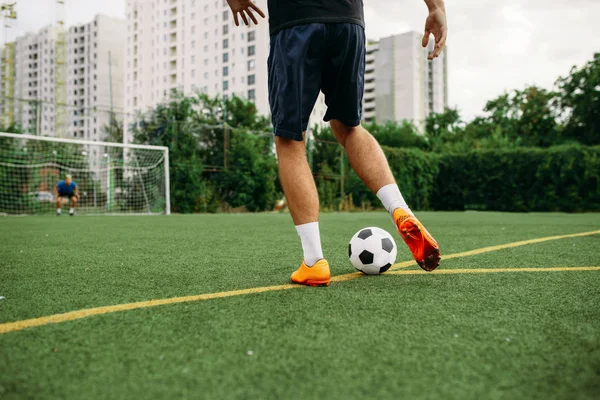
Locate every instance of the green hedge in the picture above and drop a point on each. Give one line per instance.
(563, 178)
(415, 170)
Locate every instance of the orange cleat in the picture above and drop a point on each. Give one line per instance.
(422, 245)
(317, 275)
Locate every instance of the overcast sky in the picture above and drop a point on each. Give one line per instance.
(494, 45)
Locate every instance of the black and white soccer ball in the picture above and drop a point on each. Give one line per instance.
(372, 251)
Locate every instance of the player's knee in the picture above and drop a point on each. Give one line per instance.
(342, 132)
(287, 145)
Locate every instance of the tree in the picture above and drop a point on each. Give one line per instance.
(394, 134)
(114, 130)
(527, 117)
(580, 101)
(212, 161)
(250, 178)
(171, 124)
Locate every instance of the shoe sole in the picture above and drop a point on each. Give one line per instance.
(431, 262)
(311, 282)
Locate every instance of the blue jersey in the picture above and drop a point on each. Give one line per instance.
(63, 188)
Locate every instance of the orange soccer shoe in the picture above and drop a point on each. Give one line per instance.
(422, 245)
(317, 275)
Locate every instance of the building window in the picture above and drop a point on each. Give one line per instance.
(193, 59)
(206, 75)
(251, 36)
(225, 57)
(206, 61)
(251, 65)
(251, 94)
(251, 79)
(225, 85)
(193, 44)
(251, 50)
(225, 71)
(225, 15)
(225, 29)
(193, 29)
(193, 73)
(225, 43)
(205, 35)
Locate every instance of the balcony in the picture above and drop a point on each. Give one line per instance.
(173, 37)
(173, 79)
(173, 65)
(173, 24)
(173, 12)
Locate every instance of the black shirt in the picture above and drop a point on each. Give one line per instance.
(286, 13)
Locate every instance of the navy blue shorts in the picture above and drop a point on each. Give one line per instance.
(63, 194)
(307, 58)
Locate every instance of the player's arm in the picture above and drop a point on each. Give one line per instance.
(243, 7)
(77, 191)
(436, 24)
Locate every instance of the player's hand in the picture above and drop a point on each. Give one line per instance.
(243, 8)
(436, 24)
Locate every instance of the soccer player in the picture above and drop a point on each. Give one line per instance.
(67, 188)
(320, 45)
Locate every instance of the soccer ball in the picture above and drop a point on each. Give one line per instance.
(372, 251)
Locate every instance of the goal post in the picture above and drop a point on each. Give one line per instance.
(112, 178)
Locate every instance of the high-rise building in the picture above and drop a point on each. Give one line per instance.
(93, 80)
(400, 83)
(95, 66)
(34, 81)
(193, 45)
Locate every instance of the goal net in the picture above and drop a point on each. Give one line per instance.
(111, 178)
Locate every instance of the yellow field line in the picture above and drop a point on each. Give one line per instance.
(490, 270)
(69, 316)
(516, 244)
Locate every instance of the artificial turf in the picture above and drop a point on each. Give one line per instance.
(505, 335)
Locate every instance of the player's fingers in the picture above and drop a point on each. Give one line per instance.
(425, 41)
(252, 17)
(236, 21)
(244, 17)
(257, 9)
(439, 45)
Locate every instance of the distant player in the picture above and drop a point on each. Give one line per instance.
(319, 45)
(68, 189)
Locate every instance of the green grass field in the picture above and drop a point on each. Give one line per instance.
(533, 335)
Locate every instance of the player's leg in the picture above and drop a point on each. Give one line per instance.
(294, 79)
(343, 90)
(58, 204)
(73, 205)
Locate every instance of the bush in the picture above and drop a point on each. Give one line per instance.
(562, 178)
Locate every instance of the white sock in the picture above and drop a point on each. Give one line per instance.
(392, 199)
(58, 210)
(72, 210)
(311, 242)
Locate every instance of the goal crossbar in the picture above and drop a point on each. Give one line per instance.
(89, 142)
